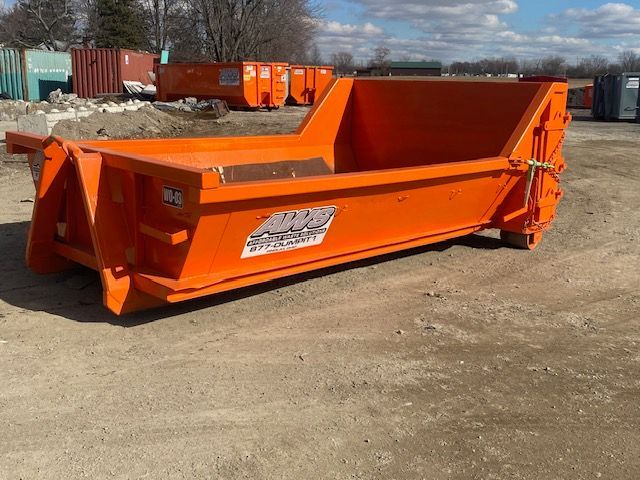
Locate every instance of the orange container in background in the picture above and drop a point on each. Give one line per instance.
(306, 83)
(240, 84)
(588, 96)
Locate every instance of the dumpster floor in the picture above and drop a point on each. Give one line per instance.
(461, 360)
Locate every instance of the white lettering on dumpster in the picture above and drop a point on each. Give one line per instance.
(36, 165)
(172, 197)
(285, 231)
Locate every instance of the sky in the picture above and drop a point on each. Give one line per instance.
(458, 30)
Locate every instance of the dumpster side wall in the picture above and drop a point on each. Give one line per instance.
(240, 84)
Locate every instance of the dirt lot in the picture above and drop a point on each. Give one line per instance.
(463, 360)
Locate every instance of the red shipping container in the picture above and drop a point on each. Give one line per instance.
(306, 83)
(240, 84)
(98, 71)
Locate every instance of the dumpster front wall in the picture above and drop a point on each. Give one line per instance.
(438, 122)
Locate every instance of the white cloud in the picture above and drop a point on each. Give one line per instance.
(611, 20)
(345, 29)
(470, 29)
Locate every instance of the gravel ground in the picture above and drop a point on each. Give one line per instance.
(462, 360)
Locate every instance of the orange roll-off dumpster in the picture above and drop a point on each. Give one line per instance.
(365, 174)
(306, 83)
(240, 84)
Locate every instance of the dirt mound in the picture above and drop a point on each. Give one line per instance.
(147, 122)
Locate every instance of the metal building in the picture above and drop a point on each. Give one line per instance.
(416, 69)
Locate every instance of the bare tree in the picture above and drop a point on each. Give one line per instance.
(164, 19)
(554, 65)
(315, 57)
(589, 67)
(39, 23)
(266, 29)
(629, 61)
(343, 61)
(380, 60)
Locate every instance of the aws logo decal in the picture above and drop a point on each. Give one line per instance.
(284, 231)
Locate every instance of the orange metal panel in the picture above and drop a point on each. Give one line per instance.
(306, 83)
(161, 223)
(588, 96)
(240, 84)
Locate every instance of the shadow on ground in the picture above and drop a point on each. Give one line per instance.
(77, 294)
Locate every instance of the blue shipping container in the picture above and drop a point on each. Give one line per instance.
(11, 73)
(45, 72)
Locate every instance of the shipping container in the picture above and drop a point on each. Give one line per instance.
(44, 72)
(240, 84)
(306, 83)
(164, 221)
(99, 71)
(615, 97)
(11, 77)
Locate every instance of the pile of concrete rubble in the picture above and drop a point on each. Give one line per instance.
(41, 117)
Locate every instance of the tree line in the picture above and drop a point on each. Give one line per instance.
(587, 67)
(627, 61)
(218, 30)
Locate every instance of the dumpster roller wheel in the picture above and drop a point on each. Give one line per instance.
(526, 241)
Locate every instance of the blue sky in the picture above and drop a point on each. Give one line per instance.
(451, 30)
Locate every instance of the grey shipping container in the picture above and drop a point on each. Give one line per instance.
(615, 97)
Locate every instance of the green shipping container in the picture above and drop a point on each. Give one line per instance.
(45, 72)
(11, 80)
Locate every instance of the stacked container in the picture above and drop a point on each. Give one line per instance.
(98, 71)
(240, 84)
(307, 83)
